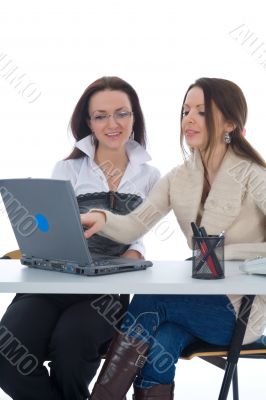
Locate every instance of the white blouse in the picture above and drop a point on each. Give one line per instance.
(86, 176)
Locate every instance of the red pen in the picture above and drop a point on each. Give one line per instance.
(209, 261)
(203, 248)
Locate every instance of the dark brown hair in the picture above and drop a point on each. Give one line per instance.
(78, 123)
(231, 102)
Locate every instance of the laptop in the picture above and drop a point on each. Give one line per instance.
(45, 218)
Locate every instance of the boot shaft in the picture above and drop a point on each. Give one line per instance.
(123, 361)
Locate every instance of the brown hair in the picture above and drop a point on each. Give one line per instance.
(78, 123)
(230, 100)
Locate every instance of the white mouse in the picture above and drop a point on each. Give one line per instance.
(255, 265)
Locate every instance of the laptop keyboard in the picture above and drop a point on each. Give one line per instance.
(105, 260)
(99, 263)
(101, 258)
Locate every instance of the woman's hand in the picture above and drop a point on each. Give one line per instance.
(94, 221)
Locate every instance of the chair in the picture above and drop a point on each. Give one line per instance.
(226, 358)
(15, 254)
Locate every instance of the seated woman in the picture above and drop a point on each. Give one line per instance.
(221, 186)
(107, 168)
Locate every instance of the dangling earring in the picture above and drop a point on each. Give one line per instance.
(132, 136)
(227, 138)
(93, 138)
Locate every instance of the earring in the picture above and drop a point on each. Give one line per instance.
(93, 138)
(132, 136)
(227, 138)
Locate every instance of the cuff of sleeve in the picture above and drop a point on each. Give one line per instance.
(108, 216)
(108, 229)
(238, 252)
(101, 210)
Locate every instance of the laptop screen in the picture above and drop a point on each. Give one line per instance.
(45, 218)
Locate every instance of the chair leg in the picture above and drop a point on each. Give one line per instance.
(235, 385)
(235, 345)
(228, 375)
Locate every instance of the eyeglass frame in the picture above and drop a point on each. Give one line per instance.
(106, 117)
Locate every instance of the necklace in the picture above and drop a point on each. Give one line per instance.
(111, 174)
(109, 169)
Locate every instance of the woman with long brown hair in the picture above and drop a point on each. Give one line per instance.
(221, 186)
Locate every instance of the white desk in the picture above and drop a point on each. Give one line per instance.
(172, 277)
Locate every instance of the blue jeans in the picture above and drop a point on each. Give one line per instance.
(171, 322)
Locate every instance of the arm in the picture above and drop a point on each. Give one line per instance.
(128, 228)
(133, 254)
(242, 251)
(136, 249)
(256, 188)
(65, 171)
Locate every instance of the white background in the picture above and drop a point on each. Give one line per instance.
(159, 47)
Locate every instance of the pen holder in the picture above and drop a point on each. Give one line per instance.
(208, 257)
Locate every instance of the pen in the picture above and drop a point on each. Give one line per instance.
(216, 262)
(214, 257)
(203, 248)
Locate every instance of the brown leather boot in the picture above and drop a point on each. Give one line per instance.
(124, 358)
(156, 392)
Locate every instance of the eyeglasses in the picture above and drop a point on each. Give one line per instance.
(119, 116)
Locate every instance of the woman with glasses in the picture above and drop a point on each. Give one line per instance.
(108, 169)
(221, 186)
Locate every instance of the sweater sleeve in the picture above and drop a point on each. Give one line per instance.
(242, 251)
(256, 187)
(128, 228)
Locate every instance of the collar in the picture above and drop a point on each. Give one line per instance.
(135, 152)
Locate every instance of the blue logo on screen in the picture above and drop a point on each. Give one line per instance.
(42, 222)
